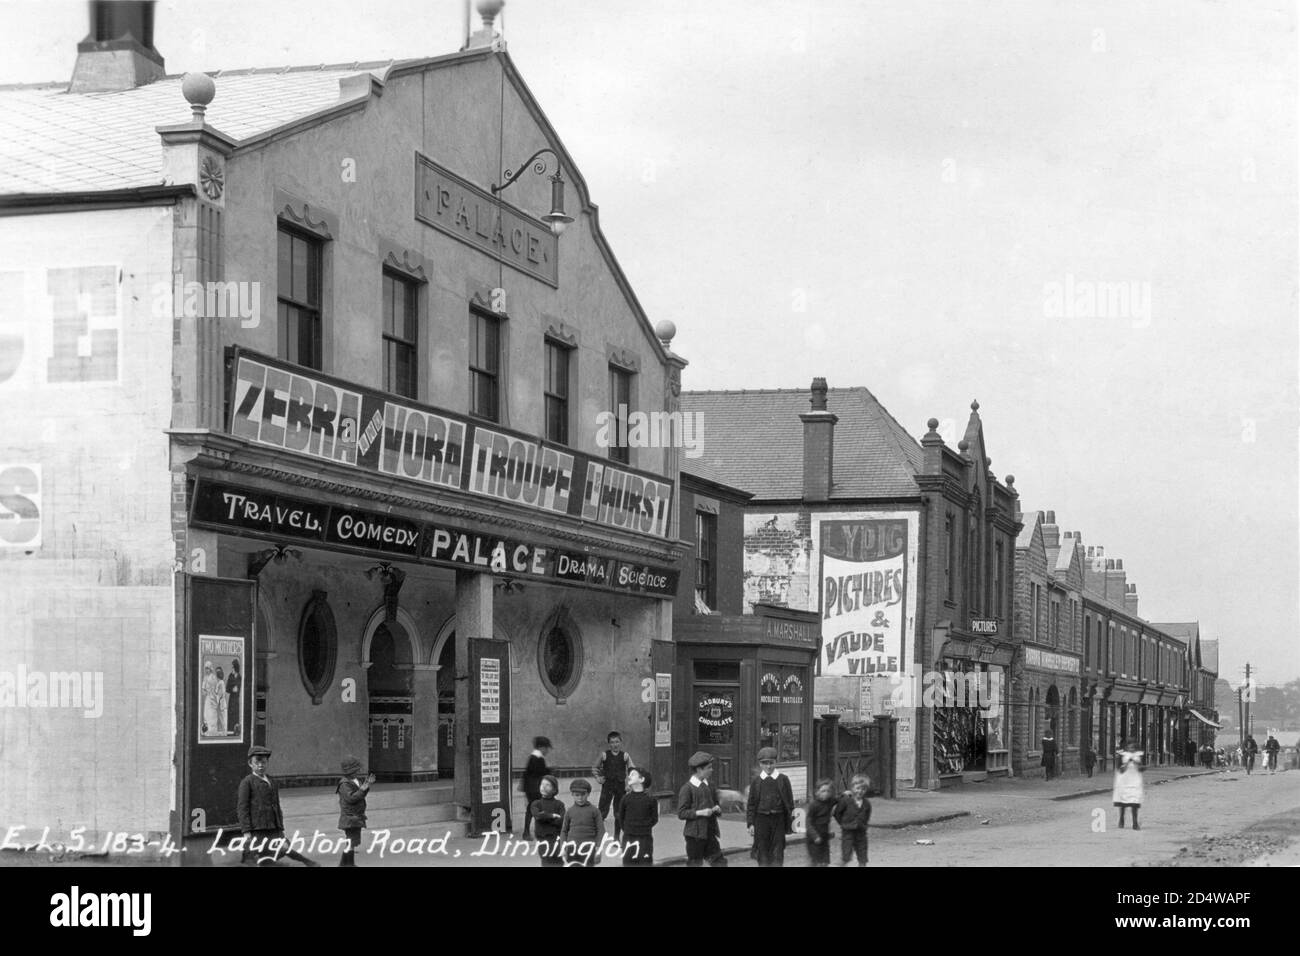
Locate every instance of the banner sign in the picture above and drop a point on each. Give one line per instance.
(276, 405)
(863, 585)
(221, 507)
(463, 211)
(1046, 659)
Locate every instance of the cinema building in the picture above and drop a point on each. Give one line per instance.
(905, 549)
(329, 478)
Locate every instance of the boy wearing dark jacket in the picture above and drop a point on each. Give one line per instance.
(817, 822)
(547, 815)
(352, 792)
(534, 771)
(636, 816)
(852, 813)
(583, 829)
(260, 819)
(769, 810)
(697, 804)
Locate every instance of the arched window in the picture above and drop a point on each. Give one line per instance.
(559, 654)
(317, 646)
(1072, 718)
(1033, 718)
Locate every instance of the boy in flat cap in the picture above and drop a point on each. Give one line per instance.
(261, 820)
(583, 829)
(769, 810)
(352, 790)
(697, 804)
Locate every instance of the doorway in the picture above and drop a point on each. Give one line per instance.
(715, 729)
(389, 681)
(447, 708)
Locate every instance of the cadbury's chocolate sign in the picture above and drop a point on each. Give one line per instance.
(279, 406)
(249, 511)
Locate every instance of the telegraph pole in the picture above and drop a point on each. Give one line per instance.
(1246, 728)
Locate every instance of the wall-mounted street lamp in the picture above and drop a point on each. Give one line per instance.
(557, 217)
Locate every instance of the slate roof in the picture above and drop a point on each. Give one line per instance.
(53, 141)
(1185, 632)
(754, 440)
(699, 468)
(1029, 521)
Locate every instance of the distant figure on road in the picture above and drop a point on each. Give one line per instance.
(1271, 747)
(1049, 753)
(1251, 752)
(1090, 759)
(1191, 752)
(1128, 790)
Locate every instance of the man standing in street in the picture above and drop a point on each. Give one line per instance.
(1049, 753)
(1271, 747)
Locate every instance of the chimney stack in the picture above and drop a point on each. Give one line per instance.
(118, 53)
(1116, 588)
(1131, 600)
(1051, 531)
(818, 445)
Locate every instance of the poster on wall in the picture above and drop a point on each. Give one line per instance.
(717, 716)
(488, 740)
(489, 690)
(221, 689)
(490, 769)
(864, 589)
(663, 710)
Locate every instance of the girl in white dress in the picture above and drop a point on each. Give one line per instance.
(1128, 789)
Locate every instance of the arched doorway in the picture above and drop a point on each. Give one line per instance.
(391, 649)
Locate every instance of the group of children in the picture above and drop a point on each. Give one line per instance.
(576, 836)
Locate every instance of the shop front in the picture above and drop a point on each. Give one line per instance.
(968, 697)
(747, 683)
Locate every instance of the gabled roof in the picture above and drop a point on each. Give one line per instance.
(53, 141)
(1210, 656)
(1031, 521)
(701, 469)
(754, 440)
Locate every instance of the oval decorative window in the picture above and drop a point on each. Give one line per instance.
(559, 654)
(317, 646)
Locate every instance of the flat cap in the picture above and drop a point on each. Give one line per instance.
(767, 753)
(699, 759)
(257, 751)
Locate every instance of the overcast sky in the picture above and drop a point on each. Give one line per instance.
(920, 198)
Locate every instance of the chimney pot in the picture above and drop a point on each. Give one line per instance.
(818, 398)
(1051, 517)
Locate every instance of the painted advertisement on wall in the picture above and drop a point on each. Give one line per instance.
(865, 586)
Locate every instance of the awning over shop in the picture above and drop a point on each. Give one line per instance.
(1203, 719)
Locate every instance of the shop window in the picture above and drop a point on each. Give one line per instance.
(717, 670)
(556, 392)
(401, 337)
(780, 709)
(298, 297)
(559, 655)
(317, 647)
(620, 395)
(484, 366)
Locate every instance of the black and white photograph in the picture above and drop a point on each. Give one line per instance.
(781, 433)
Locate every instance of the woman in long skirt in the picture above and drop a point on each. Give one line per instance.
(1128, 781)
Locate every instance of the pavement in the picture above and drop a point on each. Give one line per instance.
(437, 845)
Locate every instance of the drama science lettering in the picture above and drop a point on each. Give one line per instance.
(853, 592)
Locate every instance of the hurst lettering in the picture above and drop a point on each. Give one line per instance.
(623, 499)
(276, 407)
(514, 469)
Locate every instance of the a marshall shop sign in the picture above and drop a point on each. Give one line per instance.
(233, 509)
(462, 210)
(277, 405)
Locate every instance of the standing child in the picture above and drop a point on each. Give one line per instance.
(853, 813)
(547, 815)
(583, 829)
(261, 820)
(636, 816)
(817, 820)
(697, 804)
(352, 792)
(1128, 790)
(611, 770)
(534, 771)
(769, 810)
